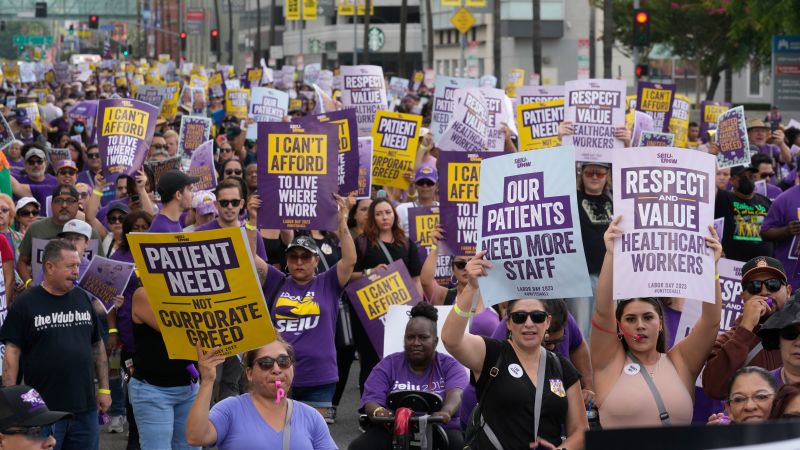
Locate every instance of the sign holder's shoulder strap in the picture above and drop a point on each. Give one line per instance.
(752, 354)
(662, 410)
(385, 251)
(537, 407)
(287, 425)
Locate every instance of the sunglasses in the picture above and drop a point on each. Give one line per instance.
(34, 161)
(425, 183)
(116, 219)
(160, 147)
(28, 213)
(32, 433)
(460, 265)
(234, 203)
(300, 256)
(70, 173)
(267, 362)
(790, 333)
(764, 176)
(233, 171)
(83, 194)
(594, 173)
(69, 201)
(520, 317)
(754, 287)
(225, 149)
(93, 155)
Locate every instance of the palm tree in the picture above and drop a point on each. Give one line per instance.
(537, 38)
(401, 60)
(608, 36)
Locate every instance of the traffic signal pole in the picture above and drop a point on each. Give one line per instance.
(635, 56)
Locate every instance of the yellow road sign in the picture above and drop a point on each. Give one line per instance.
(462, 20)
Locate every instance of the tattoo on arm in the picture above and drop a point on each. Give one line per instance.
(100, 364)
(262, 275)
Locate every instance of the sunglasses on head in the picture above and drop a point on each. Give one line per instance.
(28, 213)
(93, 155)
(790, 333)
(520, 317)
(234, 202)
(772, 284)
(32, 433)
(267, 362)
(117, 218)
(233, 171)
(460, 264)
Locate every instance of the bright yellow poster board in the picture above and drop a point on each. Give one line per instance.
(237, 102)
(395, 138)
(538, 124)
(203, 288)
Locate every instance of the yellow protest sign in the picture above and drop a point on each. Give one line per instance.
(538, 124)
(679, 122)
(200, 81)
(203, 288)
(516, 78)
(292, 9)
(395, 139)
(630, 111)
(254, 76)
(236, 102)
(423, 225)
(169, 108)
(309, 9)
(32, 111)
(11, 72)
(451, 3)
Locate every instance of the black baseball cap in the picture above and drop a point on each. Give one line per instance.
(736, 171)
(65, 189)
(761, 264)
(22, 406)
(304, 242)
(173, 181)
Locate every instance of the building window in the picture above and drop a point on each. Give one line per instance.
(754, 79)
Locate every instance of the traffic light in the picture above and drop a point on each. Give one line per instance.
(71, 29)
(126, 50)
(22, 48)
(41, 10)
(641, 27)
(215, 40)
(642, 70)
(183, 40)
(94, 22)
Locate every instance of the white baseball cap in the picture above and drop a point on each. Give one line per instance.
(25, 201)
(77, 226)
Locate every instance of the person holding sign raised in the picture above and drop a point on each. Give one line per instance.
(638, 382)
(304, 307)
(175, 189)
(510, 376)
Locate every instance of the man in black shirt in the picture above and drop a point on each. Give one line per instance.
(744, 212)
(53, 340)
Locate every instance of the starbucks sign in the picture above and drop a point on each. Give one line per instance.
(375, 39)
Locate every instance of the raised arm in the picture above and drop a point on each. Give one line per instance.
(93, 205)
(141, 189)
(200, 431)
(468, 349)
(19, 189)
(430, 288)
(344, 268)
(604, 325)
(691, 353)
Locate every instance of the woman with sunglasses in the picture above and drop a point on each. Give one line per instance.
(628, 350)
(751, 392)
(93, 165)
(505, 372)
(28, 209)
(782, 332)
(115, 212)
(262, 417)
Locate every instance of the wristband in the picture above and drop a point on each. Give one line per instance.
(104, 391)
(113, 330)
(28, 282)
(97, 192)
(459, 312)
(433, 247)
(249, 227)
(367, 272)
(717, 276)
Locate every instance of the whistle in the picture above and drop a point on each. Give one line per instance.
(279, 392)
(637, 337)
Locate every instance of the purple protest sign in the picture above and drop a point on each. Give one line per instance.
(595, 108)
(719, 227)
(641, 122)
(297, 175)
(468, 127)
(152, 94)
(528, 224)
(422, 221)
(348, 160)
(655, 99)
(194, 131)
(372, 295)
(86, 110)
(363, 89)
(163, 166)
(125, 130)
(732, 139)
(459, 178)
(655, 139)
(665, 196)
(709, 116)
(202, 165)
(105, 279)
(444, 101)
(730, 281)
(6, 135)
(364, 168)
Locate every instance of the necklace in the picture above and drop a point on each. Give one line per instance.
(655, 368)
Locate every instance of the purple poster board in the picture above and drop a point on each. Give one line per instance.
(665, 196)
(655, 99)
(348, 158)
(732, 139)
(87, 110)
(595, 108)
(194, 131)
(125, 130)
(105, 279)
(297, 175)
(364, 89)
(364, 167)
(202, 165)
(372, 295)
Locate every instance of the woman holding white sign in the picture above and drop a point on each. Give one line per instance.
(638, 382)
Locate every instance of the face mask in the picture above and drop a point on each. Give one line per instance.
(79, 128)
(746, 186)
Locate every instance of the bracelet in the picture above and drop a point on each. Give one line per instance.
(28, 282)
(379, 408)
(113, 330)
(249, 227)
(460, 313)
(97, 192)
(104, 391)
(717, 276)
(433, 247)
(367, 272)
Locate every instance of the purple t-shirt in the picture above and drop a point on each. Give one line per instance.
(672, 318)
(776, 374)
(124, 317)
(394, 374)
(40, 192)
(240, 426)
(163, 224)
(214, 225)
(306, 317)
(484, 323)
(573, 338)
(48, 180)
(773, 191)
(784, 210)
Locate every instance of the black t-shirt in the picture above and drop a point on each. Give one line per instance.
(741, 237)
(509, 405)
(56, 336)
(370, 255)
(595, 213)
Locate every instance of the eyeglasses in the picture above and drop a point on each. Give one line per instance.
(754, 287)
(460, 265)
(595, 173)
(5, 210)
(34, 161)
(32, 433)
(234, 203)
(28, 213)
(520, 317)
(740, 400)
(425, 182)
(83, 194)
(233, 171)
(267, 362)
(93, 155)
(69, 201)
(764, 176)
(790, 333)
(300, 256)
(225, 149)
(116, 219)
(68, 172)
(159, 147)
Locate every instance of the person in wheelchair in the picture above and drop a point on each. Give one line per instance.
(418, 368)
